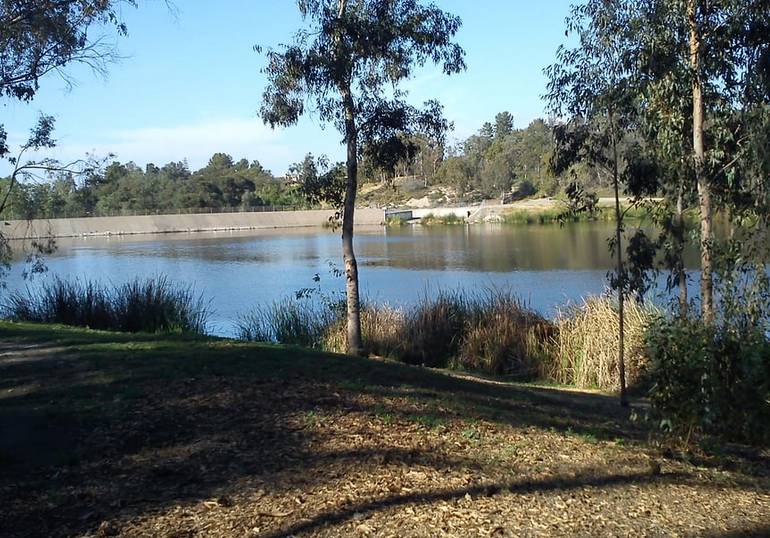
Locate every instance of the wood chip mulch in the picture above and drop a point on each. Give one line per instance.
(220, 457)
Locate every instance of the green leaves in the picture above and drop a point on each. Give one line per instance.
(319, 181)
(366, 46)
(43, 37)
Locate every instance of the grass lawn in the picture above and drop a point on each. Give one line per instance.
(106, 434)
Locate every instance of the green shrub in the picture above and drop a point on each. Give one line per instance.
(710, 380)
(451, 219)
(533, 216)
(395, 222)
(151, 305)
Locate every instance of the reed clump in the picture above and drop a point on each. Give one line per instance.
(382, 329)
(505, 337)
(435, 328)
(536, 216)
(298, 322)
(490, 332)
(584, 349)
(141, 305)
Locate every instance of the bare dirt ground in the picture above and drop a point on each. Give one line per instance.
(115, 435)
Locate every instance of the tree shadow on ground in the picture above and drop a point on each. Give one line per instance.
(762, 531)
(556, 484)
(117, 426)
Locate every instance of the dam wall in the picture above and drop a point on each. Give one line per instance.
(154, 224)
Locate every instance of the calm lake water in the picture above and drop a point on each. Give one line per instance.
(547, 266)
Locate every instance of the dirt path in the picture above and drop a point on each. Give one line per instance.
(121, 437)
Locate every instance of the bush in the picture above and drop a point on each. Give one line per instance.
(504, 337)
(710, 380)
(534, 216)
(450, 219)
(584, 350)
(435, 328)
(151, 305)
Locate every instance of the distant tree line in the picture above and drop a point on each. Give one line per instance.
(126, 188)
(497, 159)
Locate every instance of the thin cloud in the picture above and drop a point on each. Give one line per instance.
(247, 138)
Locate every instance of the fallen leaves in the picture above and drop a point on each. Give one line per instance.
(222, 457)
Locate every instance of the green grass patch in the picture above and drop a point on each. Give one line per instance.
(446, 220)
(560, 215)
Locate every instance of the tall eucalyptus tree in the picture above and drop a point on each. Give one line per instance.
(705, 68)
(591, 90)
(37, 38)
(345, 65)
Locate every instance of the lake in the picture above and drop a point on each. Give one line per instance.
(546, 265)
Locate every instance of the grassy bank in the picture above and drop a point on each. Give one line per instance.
(432, 220)
(556, 215)
(489, 332)
(116, 434)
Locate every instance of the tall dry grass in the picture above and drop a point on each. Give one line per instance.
(584, 350)
(491, 332)
(382, 329)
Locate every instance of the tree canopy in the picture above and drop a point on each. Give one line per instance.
(39, 37)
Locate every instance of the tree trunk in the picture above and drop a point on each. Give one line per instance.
(355, 346)
(619, 268)
(704, 189)
(680, 242)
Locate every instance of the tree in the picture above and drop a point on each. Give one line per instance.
(39, 37)
(503, 125)
(320, 181)
(591, 85)
(40, 137)
(346, 64)
(712, 57)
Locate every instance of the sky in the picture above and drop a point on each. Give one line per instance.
(189, 82)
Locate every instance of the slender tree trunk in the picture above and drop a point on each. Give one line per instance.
(354, 341)
(355, 346)
(620, 270)
(704, 189)
(681, 274)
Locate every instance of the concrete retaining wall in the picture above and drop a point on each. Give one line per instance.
(461, 212)
(151, 224)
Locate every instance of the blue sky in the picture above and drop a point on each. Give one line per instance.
(190, 83)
